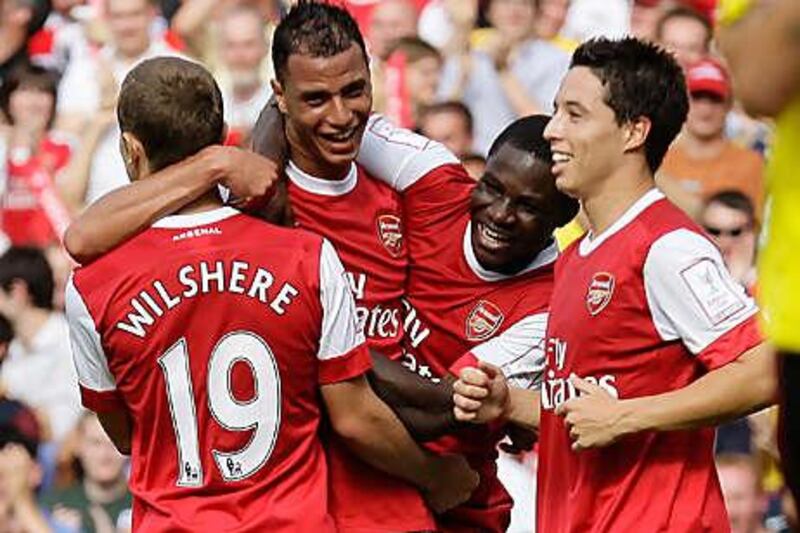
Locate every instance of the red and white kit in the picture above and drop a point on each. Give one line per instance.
(362, 217)
(644, 308)
(457, 311)
(214, 331)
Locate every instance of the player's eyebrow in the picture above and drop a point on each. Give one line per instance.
(356, 85)
(577, 106)
(317, 94)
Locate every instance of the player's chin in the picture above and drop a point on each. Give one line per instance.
(494, 257)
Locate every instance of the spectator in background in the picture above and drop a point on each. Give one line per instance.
(19, 19)
(450, 123)
(745, 501)
(550, 18)
(729, 218)
(390, 21)
(760, 41)
(87, 96)
(686, 33)
(411, 78)
(62, 39)
(32, 211)
(513, 74)
(242, 47)
(644, 16)
(38, 369)
(20, 475)
(100, 497)
(129, 23)
(702, 160)
(448, 24)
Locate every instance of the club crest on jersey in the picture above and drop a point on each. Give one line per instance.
(601, 289)
(390, 232)
(483, 321)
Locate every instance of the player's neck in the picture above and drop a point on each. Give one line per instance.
(614, 196)
(207, 202)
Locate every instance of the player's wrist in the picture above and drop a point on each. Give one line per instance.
(632, 417)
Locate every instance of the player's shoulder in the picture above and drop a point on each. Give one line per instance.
(661, 218)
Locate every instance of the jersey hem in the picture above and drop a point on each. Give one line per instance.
(346, 366)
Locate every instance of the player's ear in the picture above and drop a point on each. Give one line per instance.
(280, 97)
(636, 132)
(134, 156)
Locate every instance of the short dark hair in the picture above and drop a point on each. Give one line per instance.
(316, 29)
(641, 80)
(415, 49)
(736, 200)
(687, 13)
(527, 134)
(28, 76)
(452, 106)
(173, 106)
(29, 265)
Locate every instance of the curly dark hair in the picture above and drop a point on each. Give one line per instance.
(641, 80)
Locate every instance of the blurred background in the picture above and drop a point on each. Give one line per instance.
(458, 71)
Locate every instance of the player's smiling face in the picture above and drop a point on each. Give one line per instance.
(512, 210)
(327, 101)
(585, 138)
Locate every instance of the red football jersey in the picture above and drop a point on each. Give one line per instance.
(458, 311)
(644, 308)
(32, 212)
(214, 331)
(362, 217)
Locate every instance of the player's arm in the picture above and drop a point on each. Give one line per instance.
(365, 423)
(399, 157)
(763, 53)
(96, 383)
(118, 426)
(425, 408)
(123, 213)
(482, 395)
(371, 430)
(741, 387)
(692, 299)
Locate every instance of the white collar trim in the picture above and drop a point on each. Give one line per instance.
(195, 219)
(589, 243)
(309, 183)
(545, 257)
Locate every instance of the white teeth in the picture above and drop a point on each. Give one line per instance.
(560, 157)
(492, 238)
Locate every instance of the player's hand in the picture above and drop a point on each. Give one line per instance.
(452, 483)
(480, 394)
(249, 176)
(593, 418)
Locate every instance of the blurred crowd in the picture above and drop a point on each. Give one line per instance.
(458, 71)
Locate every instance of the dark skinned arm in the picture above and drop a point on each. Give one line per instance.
(424, 407)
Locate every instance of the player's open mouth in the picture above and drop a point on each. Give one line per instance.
(492, 237)
(340, 137)
(560, 160)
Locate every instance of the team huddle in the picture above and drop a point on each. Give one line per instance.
(356, 372)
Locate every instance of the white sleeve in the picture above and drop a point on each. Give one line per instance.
(691, 295)
(87, 350)
(397, 156)
(340, 330)
(519, 351)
